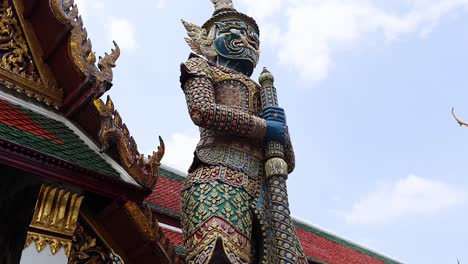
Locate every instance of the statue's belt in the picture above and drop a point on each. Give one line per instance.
(252, 147)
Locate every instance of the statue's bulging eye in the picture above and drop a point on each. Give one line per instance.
(237, 31)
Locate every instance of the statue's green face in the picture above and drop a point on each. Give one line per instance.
(237, 45)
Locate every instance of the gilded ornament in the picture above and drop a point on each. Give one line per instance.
(84, 58)
(86, 248)
(14, 50)
(461, 123)
(42, 240)
(56, 210)
(55, 219)
(107, 62)
(114, 133)
(149, 229)
(21, 67)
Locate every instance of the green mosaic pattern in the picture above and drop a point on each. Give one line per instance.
(73, 150)
(202, 201)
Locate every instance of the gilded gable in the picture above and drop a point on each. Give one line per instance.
(18, 66)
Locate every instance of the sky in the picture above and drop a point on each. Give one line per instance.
(367, 86)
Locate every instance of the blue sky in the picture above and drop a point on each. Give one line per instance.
(367, 86)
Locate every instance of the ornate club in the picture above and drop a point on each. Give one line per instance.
(288, 249)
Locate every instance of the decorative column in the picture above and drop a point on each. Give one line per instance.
(286, 243)
(55, 219)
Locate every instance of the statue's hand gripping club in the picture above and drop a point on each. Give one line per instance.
(276, 128)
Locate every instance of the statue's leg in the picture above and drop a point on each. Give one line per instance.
(216, 217)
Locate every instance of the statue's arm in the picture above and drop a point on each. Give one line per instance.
(205, 113)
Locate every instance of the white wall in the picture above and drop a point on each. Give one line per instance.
(31, 256)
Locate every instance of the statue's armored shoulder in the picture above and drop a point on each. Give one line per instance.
(195, 66)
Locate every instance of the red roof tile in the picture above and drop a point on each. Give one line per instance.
(331, 252)
(166, 194)
(14, 117)
(176, 238)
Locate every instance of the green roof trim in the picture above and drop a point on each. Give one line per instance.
(163, 210)
(343, 242)
(171, 174)
(71, 149)
(309, 258)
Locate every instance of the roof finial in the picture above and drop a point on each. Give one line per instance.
(222, 4)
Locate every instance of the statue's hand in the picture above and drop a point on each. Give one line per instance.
(274, 113)
(276, 130)
(276, 124)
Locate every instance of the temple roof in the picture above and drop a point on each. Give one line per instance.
(33, 130)
(49, 135)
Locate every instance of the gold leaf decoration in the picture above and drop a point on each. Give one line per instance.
(114, 133)
(18, 69)
(81, 47)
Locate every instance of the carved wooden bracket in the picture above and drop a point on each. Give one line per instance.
(149, 229)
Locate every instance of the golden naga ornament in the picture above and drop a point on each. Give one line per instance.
(115, 133)
(461, 123)
(83, 56)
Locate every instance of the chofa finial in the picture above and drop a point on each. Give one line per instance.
(222, 4)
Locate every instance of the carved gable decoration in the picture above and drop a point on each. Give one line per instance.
(114, 133)
(83, 56)
(21, 68)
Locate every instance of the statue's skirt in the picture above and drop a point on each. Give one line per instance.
(217, 214)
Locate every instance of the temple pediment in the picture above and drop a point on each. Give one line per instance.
(21, 65)
(46, 54)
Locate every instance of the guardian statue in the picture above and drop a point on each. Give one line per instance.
(225, 200)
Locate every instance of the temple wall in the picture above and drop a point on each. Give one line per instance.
(31, 256)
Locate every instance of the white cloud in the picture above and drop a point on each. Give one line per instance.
(261, 9)
(307, 33)
(161, 4)
(87, 6)
(179, 150)
(122, 31)
(410, 196)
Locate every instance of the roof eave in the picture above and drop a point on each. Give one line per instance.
(61, 171)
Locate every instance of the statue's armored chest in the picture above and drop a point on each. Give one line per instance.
(236, 90)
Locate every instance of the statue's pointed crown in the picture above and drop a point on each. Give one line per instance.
(224, 10)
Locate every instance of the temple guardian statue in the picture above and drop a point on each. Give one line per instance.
(234, 205)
